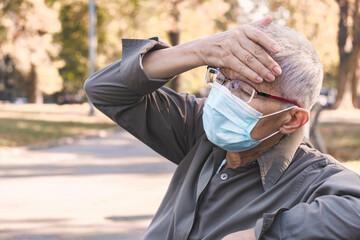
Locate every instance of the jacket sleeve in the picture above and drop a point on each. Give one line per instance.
(168, 122)
(332, 212)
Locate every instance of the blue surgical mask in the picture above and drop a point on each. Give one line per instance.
(228, 121)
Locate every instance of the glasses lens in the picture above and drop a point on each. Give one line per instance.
(242, 90)
(211, 75)
(238, 88)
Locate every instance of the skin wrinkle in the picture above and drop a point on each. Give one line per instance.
(202, 52)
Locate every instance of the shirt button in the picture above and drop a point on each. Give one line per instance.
(224, 176)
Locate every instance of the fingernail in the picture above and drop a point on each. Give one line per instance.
(270, 77)
(276, 47)
(260, 79)
(277, 70)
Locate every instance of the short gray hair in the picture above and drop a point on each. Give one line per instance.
(302, 71)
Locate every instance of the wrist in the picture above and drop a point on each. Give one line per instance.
(192, 53)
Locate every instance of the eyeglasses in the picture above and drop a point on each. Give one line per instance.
(240, 88)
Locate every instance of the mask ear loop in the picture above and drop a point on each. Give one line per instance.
(274, 113)
(274, 133)
(271, 114)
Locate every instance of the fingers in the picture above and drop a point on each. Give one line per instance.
(236, 69)
(231, 55)
(252, 64)
(253, 61)
(243, 51)
(261, 38)
(266, 66)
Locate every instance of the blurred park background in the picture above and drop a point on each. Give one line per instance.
(46, 55)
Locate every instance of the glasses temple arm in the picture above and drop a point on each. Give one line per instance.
(277, 98)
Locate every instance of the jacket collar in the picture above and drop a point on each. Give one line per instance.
(273, 162)
(276, 160)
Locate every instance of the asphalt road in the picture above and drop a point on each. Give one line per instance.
(94, 189)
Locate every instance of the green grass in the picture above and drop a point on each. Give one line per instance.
(16, 132)
(343, 142)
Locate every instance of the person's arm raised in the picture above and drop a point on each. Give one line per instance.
(240, 51)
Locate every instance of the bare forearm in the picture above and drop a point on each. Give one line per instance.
(168, 62)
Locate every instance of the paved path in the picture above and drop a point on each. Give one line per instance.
(95, 189)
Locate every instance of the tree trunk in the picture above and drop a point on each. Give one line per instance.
(174, 40)
(344, 99)
(348, 58)
(355, 84)
(174, 36)
(356, 43)
(32, 87)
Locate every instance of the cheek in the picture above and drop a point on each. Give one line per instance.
(257, 104)
(266, 105)
(265, 127)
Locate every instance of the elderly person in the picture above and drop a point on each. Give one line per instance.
(244, 170)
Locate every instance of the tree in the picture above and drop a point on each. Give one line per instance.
(134, 19)
(349, 48)
(26, 32)
(174, 33)
(74, 42)
(221, 22)
(174, 21)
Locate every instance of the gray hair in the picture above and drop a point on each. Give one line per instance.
(302, 71)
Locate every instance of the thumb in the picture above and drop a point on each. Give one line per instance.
(263, 22)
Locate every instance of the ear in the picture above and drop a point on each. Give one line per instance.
(296, 119)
